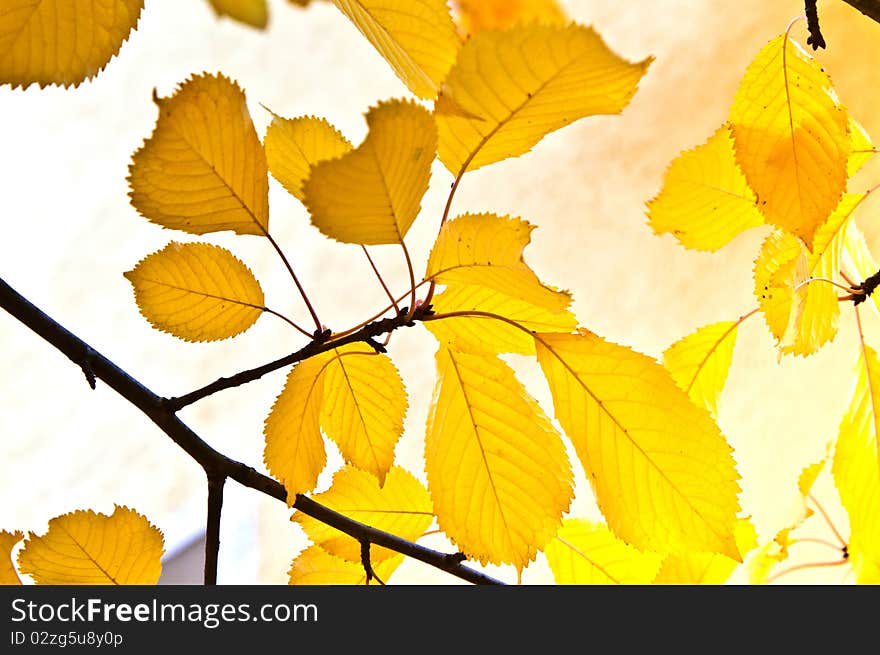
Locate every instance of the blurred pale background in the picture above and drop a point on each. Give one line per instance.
(69, 234)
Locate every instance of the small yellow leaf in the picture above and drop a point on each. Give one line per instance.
(483, 334)
(860, 261)
(476, 15)
(856, 469)
(705, 200)
(294, 145)
(699, 362)
(363, 407)
(373, 194)
(510, 89)
(861, 147)
(662, 472)
(294, 452)
(791, 137)
(497, 470)
(416, 37)
(61, 41)
(487, 250)
(196, 291)
(583, 552)
(315, 566)
(85, 547)
(693, 567)
(204, 168)
(251, 12)
(400, 507)
(8, 540)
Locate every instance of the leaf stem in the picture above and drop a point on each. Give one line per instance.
(299, 286)
(287, 320)
(808, 565)
(828, 520)
(381, 280)
(412, 279)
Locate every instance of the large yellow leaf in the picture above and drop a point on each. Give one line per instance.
(400, 507)
(251, 12)
(663, 474)
(85, 547)
(204, 168)
(61, 41)
(294, 145)
(8, 540)
(497, 470)
(705, 200)
(856, 469)
(584, 552)
(791, 137)
(416, 37)
(509, 89)
(692, 567)
(476, 15)
(294, 451)
(484, 334)
(861, 147)
(487, 250)
(363, 407)
(373, 194)
(699, 362)
(315, 566)
(196, 291)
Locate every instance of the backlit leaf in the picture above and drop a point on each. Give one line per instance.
(483, 334)
(860, 261)
(8, 540)
(693, 567)
(856, 469)
(699, 362)
(509, 89)
(85, 547)
(196, 291)
(584, 552)
(400, 507)
(476, 15)
(791, 137)
(61, 41)
(294, 145)
(861, 147)
(363, 407)
(294, 452)
(662, 472)
(416, 37)
(705, 200)
(204, 168)
(373, 194)
(487, 250)
(315, 566)
(251, 12)
(497, 470)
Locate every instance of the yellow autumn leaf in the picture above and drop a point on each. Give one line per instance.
(497, 470)
(860, 262)
(61, 41)
(8, 540)
(203, 169)
(196, 291)
(584, 552)
(487, 250)
(705, 200)
(476, 15)
(294, 145)
(509, 89)
(363, 406)
(251, 12)
(373, 194)
(856, 469)
(699, 363)
(484, 334)
(662, 472)
(416, 37)
(791, 137)
(85, 547)
(401, 507)
(861, 147)
(315, 566)
(294, 453)
(693, 567)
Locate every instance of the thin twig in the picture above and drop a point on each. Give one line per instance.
(381, 280)
(212, 531)
(318, 327)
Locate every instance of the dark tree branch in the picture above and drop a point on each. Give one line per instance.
(213, 462)
(212, 532)
(871, 8)
(815, 39)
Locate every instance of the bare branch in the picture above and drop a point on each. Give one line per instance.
(212, 531)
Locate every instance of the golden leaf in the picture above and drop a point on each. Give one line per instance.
(196, 291)
(8, 540)
(859, 259)
(373, 194)
(204, 168)
(85, 547)
(250, 12)
(61, 41)
(663, 474)
(315, 566)
(861, 147)
(693, 567)
(476, 15)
